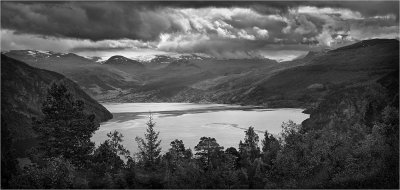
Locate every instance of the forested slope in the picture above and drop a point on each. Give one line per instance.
(24, 89)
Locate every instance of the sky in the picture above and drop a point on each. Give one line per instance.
(221, 29)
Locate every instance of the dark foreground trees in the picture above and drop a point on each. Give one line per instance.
(65, 130)
(107, 169)
(337, 155)
(8, 158)
(64, 149)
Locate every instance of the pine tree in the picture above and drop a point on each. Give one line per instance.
(149, 148)
(65, 130)
(270, 148)
(208, 148)
(249, 153)
(249, 148)
(265, 142)
(115, 140)
(235, 155)
(178, 150)
(176, 155)
(107, 156)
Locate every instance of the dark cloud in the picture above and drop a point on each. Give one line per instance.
(85, 20)
(223, 29)
(141, 20)
(80, 49)
(366, 8)
(229, 48)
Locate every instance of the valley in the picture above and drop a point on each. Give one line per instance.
(200, 94)
(310, 83)
(192, 78)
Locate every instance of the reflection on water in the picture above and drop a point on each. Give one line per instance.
(189, 122)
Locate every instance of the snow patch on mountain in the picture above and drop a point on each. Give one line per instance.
(44, 52)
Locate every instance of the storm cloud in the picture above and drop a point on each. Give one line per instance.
(221, 29)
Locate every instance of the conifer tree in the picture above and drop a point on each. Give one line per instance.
(208, 148)
(107, 155)
(270, 148)
(249, 148)
(149, 147)
(179, 151)
(65, 130)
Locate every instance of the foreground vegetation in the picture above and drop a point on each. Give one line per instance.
(353, 149)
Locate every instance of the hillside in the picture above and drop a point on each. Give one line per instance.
(170, 82)
(298, 83)
(356, 133)
(24, 89)
(318, 75)
(96, 79)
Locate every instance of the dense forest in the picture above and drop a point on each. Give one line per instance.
(349, 141)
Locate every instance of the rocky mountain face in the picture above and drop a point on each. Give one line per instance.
(23, 90)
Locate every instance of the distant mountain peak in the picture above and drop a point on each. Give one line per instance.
(119, 59)
(194, 56)
(33, 53)
(38, 53)
(169, 58)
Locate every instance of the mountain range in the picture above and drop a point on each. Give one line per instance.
(192, 78)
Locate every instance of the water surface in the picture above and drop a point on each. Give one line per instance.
(189, 122)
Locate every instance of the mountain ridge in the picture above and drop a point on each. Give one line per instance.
(119, 59)
(297, 83)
